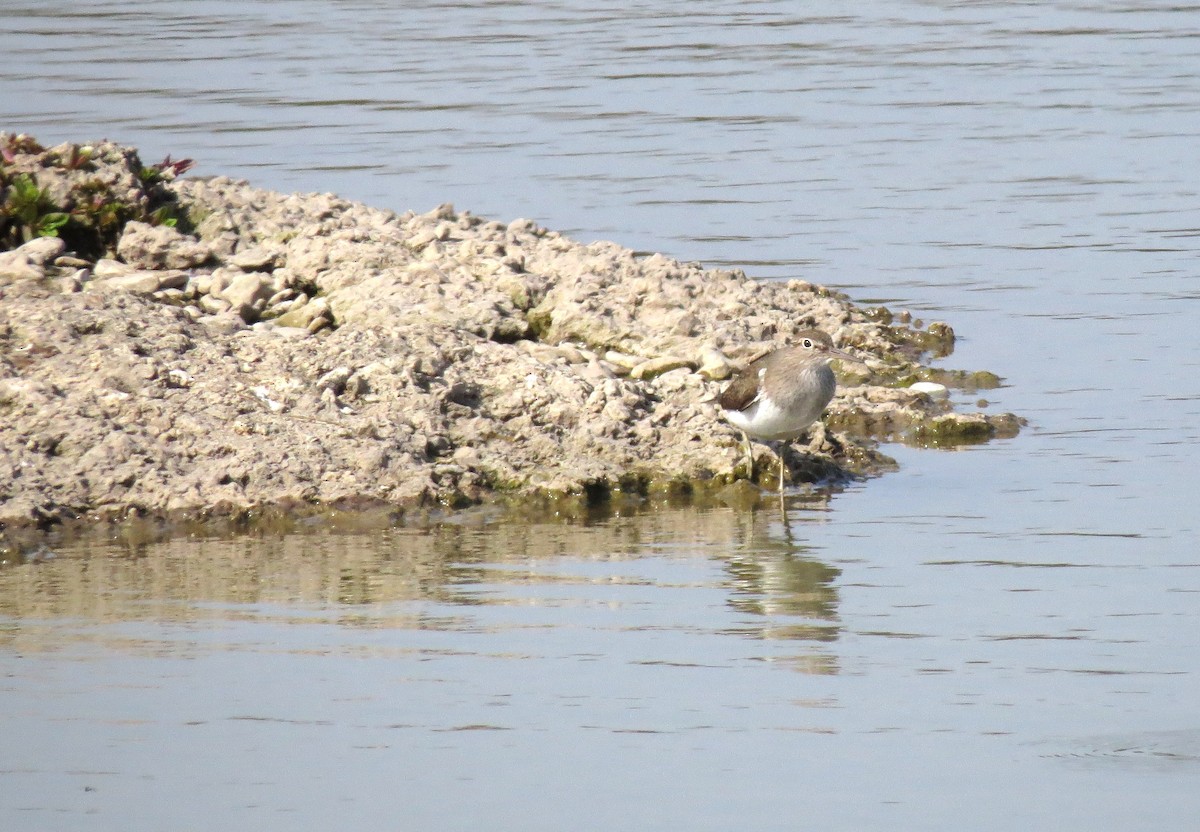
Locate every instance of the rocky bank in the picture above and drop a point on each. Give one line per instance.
(190, 347)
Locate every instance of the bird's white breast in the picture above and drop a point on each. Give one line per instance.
(765, 418)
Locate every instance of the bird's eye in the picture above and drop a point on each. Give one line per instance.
(807, 342)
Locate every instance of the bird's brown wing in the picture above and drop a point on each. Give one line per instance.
(742, 390)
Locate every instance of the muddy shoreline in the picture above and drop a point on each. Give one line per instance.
(221, 351)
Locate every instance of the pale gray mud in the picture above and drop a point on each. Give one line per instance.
(190, 348)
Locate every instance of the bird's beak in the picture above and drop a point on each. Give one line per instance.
(834, 352)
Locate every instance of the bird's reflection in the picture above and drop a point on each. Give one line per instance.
(776, 581)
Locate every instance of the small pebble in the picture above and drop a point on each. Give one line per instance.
(658, 366)
(714, 366)
(931, 389)
(623, 360)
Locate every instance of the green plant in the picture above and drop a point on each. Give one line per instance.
(93, 205)
(163, 215)
(29, 211)
(81, 203)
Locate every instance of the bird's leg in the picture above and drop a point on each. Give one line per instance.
(782, 502)
(749, 456)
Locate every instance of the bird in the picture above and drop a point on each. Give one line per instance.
(779, 394)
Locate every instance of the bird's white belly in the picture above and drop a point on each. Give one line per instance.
(765, 420)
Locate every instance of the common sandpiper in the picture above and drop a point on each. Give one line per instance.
(782, 392)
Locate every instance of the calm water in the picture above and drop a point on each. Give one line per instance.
(999, 638)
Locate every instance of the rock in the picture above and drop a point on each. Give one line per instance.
(334, 380)
(199, 284)
(15, 267)
(213, 305)
(179, 378)
(622, 361)
(256, 259)
(74, 281)
(160, 247)
(68, 262)
(224, 322)
(41, 249)
(573, 355)
(222, 244)
(28, 262)
(110, 268)
(247, 294)
(305, 316)
(421, 239)
(931, 389)
(145, 282)
(657, 366)
(598, 371)
(281, 332)
(170, 295)
(218, 280)
(714, 366)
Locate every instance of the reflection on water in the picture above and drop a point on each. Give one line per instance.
(446, 577)
(723, 645)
